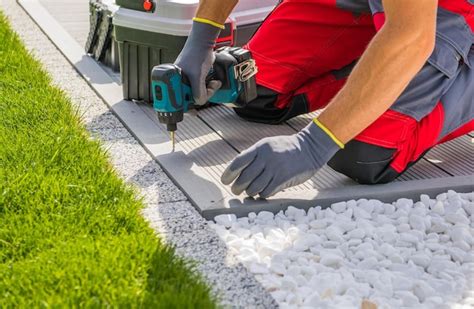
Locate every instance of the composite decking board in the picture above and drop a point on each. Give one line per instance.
(302, 121)
(423, 170)
(240, 133)
(456, 156)
(196, 169)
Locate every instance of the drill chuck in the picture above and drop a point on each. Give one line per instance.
(170, 119)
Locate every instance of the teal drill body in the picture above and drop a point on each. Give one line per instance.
(172, 95)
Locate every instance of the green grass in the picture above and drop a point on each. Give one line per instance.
(70, 230)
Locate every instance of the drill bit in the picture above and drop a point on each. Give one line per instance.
(172, 141)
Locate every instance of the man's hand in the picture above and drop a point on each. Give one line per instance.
(277, 163)
(196, 60)
(197, 56)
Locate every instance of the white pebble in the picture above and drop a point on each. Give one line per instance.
(368, 263)
(469, 208)
(356, 234)
(444, 238)
(330, 259)
(301, 280)
(396, 258)
(242, 233)
(334, 233)
(462, 245)
(438, 208)
(330, 214)
(401, 216)
(360, 213)
(387, 249)
(417, 223)
(389, 209)
(425, 199)
(339, 207)
(258, 268)
(461, 233)
(456, 254)
(404, 227)
(408, 298)
(313, 300)
(346, 225)
(318, 224)
(367, 206)
(225, 220)
(265, 216)
(404, 204)
(455, 218)
(354, 242)
(278, 268)
(294, 213)
(407, 237)
(438, 265)
(348, 213)
(402, 283)
(433, 301)
(388, 236)
(442, 197)
(331, 244)
(439, 226)
(279, 295)
(288, 283)
(304, 292)
(421, 259)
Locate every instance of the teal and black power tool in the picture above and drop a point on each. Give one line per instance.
(172, 96)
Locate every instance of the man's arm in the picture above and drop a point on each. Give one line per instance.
(393, 58)
(215, 11)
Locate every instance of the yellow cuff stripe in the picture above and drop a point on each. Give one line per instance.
(329, 133)
(209, 22)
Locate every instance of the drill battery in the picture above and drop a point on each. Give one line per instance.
(239, 61)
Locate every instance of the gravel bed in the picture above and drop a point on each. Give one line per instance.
(404, 254)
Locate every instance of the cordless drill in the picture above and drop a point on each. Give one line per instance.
(172, 95)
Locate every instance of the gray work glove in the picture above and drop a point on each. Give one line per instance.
(280, 162)
(196, 60)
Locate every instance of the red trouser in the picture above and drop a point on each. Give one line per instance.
(307, 48)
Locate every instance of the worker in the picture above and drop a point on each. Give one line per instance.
(395, 78)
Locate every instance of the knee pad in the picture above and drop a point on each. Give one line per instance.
(364, 163)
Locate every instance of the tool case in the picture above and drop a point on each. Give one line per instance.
(100, 42)
(152, 32)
